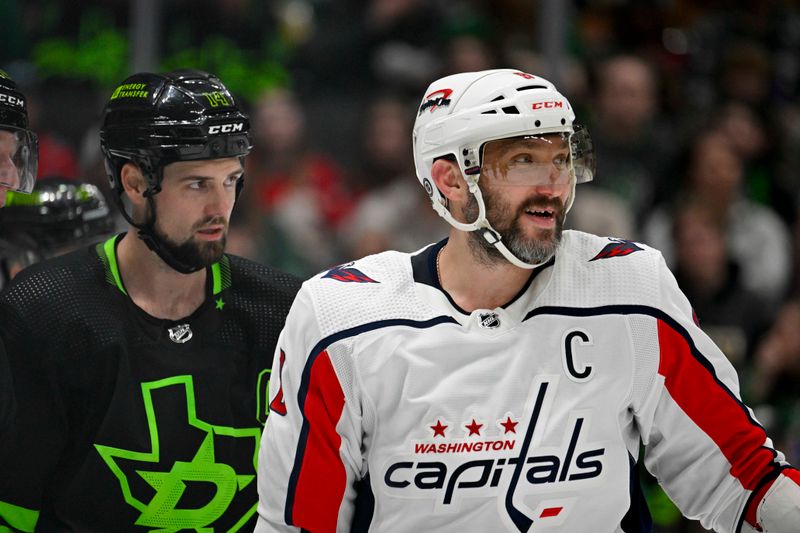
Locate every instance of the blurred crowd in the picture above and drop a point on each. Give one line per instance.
(694, 109)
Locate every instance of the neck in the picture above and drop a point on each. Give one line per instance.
(473, 282)
(154, 286)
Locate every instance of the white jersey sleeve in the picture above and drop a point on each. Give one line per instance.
(310, 452)
(706, 448)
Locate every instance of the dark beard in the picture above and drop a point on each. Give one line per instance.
(530, 250)
(195, 254)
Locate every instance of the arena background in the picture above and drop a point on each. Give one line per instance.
(693, 105)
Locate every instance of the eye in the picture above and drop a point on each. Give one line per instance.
(197, 184)
(521, 159)
(230, 181)
(561, 160)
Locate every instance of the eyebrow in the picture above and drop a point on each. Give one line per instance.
(193, 177)
(528, 144)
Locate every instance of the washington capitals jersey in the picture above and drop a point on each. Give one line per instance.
(398, 411)
(126, 422)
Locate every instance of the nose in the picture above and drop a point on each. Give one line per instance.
(220, 201)
(555, 184)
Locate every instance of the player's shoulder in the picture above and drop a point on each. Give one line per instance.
(55, 279)
(371, 289)
(607, 270)
(364, 279)
(590, 248)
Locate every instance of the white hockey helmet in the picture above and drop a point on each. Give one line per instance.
(461, 112)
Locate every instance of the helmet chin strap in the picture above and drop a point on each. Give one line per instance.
(146, 231)
(487, 231)
(493, 238)
(154, 243)
(147, 234)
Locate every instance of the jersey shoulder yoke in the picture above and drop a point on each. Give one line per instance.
(376, 288)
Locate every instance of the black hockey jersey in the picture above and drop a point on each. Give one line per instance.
(125, 422)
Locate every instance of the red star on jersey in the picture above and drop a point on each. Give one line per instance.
(474, 428)
(438, 429)
(509, 426)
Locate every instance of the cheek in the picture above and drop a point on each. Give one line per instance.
(173, 213)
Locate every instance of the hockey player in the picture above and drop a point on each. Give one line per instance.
(504, 378)
(19, 154)
(19, 146)
(141, 363)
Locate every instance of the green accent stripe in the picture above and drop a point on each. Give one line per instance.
(101, 253)
(216, 279)
(19, 518)
(241, 523)
(110, 252)
(268, 373)
(221, 275)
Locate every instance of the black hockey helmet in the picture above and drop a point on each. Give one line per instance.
(18, 144)
(59, 214)
(152, 120)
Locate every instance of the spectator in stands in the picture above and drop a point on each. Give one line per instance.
(395, 214)
(298, 197)
(627, 130)
(731, 314)
(757, 237)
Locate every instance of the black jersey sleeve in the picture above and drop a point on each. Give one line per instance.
(7, 399)
(31, 446)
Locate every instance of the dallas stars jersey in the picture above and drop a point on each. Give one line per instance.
(398, 411)
(126, 422)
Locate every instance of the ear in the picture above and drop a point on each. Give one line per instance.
(134, 183)
(448, 179)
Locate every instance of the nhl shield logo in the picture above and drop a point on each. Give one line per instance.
(490, 320)
(180, 334)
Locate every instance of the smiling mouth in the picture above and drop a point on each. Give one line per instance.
(545, 213)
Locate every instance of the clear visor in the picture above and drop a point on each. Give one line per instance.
(539, 160)
(19, 157)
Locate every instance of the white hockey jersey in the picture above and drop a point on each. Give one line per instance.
(394, 410)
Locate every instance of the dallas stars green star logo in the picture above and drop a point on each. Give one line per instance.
(161, 511)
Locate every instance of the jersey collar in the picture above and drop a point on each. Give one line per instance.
(218, 278)
(423, 266)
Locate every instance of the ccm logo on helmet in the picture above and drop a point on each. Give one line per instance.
(548, 105)
(226, 128)
(12, 100)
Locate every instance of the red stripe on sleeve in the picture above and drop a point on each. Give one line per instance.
(792, 474)
(714, 409)
(321, 483)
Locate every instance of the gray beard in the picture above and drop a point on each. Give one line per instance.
(529, 250)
